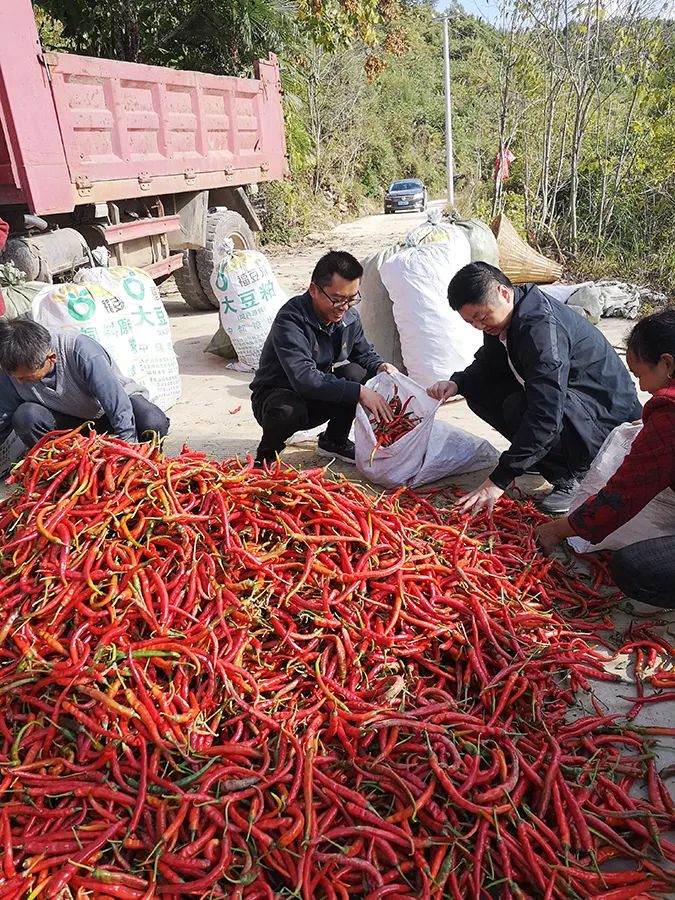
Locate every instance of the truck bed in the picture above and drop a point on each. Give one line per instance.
(81, 130)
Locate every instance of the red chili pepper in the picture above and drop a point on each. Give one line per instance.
(274, 682)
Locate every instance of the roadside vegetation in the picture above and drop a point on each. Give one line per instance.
(581, 94)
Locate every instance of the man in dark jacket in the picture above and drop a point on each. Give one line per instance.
(314, 362)
(545, 378)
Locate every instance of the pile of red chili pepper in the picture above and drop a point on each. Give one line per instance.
(228, 683)
(403, 422)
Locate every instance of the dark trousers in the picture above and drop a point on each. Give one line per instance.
(646, 571)
(32, 421)
(504, 410)
(281, 412)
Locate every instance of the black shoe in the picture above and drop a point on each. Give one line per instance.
(344, 450)
(261, 461)
(557, 503)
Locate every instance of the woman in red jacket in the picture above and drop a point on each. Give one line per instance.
(646, 570)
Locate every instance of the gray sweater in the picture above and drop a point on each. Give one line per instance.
(85, 383)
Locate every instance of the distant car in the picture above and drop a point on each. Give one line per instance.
(407, 194)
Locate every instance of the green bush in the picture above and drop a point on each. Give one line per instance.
(290, 206)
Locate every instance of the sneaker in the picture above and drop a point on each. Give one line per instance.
(344, 450)
(557, 503)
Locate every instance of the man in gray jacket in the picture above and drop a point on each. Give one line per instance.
(56, 380)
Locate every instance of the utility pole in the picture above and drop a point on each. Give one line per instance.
(449, 164)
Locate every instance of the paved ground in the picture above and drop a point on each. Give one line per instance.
(214, 413)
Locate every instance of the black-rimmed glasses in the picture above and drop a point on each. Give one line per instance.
(342, 301)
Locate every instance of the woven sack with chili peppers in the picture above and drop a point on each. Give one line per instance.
(414, 448)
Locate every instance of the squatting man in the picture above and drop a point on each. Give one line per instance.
(545, 378)
(53, 380)
(315, 362)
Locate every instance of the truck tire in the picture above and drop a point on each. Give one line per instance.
(220, 225)
(188, 284)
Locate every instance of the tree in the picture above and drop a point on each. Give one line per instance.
(577, 78)
(336, 23)
(221, 36)
(582, 91)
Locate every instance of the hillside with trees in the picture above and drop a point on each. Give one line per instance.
(581, 94)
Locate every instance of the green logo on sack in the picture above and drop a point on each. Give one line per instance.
(222, 281)
(134, 287)
(81, 306)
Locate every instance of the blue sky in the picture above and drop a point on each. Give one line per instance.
(483, 8)
(486, 9)
(489, 9)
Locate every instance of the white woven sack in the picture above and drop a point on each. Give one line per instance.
(434, 229)
(249, 298)
(657, 519)
(430, 451)
(435, 340)
(122, 310)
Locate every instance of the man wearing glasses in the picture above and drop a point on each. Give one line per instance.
(314, 364)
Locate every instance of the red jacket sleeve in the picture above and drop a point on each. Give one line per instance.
(4, 231)
(644, 473)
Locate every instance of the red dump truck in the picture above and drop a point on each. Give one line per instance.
(142, 165)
